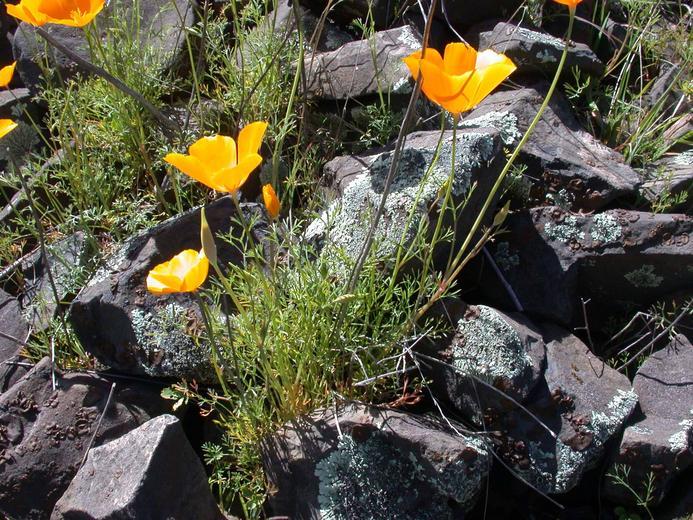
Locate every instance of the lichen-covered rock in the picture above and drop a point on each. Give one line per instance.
(150, 472)
(502, 350)
(368, 462)
(363, 67)
(136, 332)
(661, 443)
(669, 182)
(415, 189)
(160, 24)
(565, 164)
(44, 433)
(17, 104)
(615, 259)
(13, 334)
(581, 400)
(535, 51)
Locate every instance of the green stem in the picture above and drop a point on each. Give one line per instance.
(216, 353)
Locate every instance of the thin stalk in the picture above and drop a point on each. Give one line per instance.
(212, 339)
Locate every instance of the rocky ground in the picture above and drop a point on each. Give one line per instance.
(529, 411)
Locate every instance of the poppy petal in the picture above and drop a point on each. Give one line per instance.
(231, 179)
(215, 152)
(250, 139)
(193, 167)
(6, 126)
(459, 58)
(6, 74)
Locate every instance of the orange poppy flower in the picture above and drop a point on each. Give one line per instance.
(572, 4)
(6, 74)
(462, 78)
(75, 13)
(217, 162)
(271, 201)
(6, 126)
(185, 272)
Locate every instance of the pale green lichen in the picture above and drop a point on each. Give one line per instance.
(681, 440)
(563, 199)
(504, 258)
(640, 430)
(504, 122)
(605, 228)
(486, 346)
(546, 39)
(644, 277)
(566, 231)
(545, 56)
(684, 158)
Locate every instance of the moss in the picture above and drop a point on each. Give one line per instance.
(644, 277)
(566, 231)
(605, 228)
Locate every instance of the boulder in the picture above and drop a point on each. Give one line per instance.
(45, 433)
(17, 104)
(160, 25)
(415, 189)
(616, 259)
(13, 334)
(669, 183)
(364, 67)
(150, 472)
(536, 51)
(659, 447)
(356, 461)
(135, 332)
(565, 164)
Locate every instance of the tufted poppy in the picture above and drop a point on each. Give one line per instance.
(6, 74)
(271, 201)
(75, 13)
(462, 78)
(185, 272)
(218, 162)
(6, 126)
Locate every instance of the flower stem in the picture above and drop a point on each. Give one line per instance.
(216, 353)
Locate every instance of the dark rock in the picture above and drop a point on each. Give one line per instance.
(356, 461)
(364, 67)
(499, 349)
(17, 104)
(150, 472)
(46, 432)
(160, 24)
(536, 51)
(67, 260)
(13, 334)
(662, 442)
(565, 164)
(381, 11)
(616, 259)
(133, 331)
(462, 14)
(582, 401)
(669, 181)
(360, 180)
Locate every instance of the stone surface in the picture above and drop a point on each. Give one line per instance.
(136, 332)
(671, 180)
(566, 165)
(369, 462)
(499, 349)
(13, 333)
(581, 400)
(615, 259)
(360, 180)
(160, 24)
(150, 472)
(364, 67)
(661, 443)
(44, 433)
(536, 51)
(17, 104)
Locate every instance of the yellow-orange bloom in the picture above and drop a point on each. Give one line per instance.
(217, 162)
(6, 74)
(572, 4)
(271, 201)
(462, 78)
(6, 126)
(185, 272)
(75, 13)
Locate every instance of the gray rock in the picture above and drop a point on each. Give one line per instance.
(581, 400)
(499, 349)
(160, 24)
(13, 333)
(662, 442)
(615, 259)
(368, 462)
(382, 11)
(17, 104)
(136, 332)
(670, 181)
(150, 472)
(360, 180)
(364, 67)
(44, 433)
(536, 51)
(565, 164)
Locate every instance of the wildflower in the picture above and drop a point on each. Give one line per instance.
(6, 74)
(6, 126)
(185, 272)
(572, 4)
(218, 162)
(462, 78)
(75, 13)
(271, 201)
